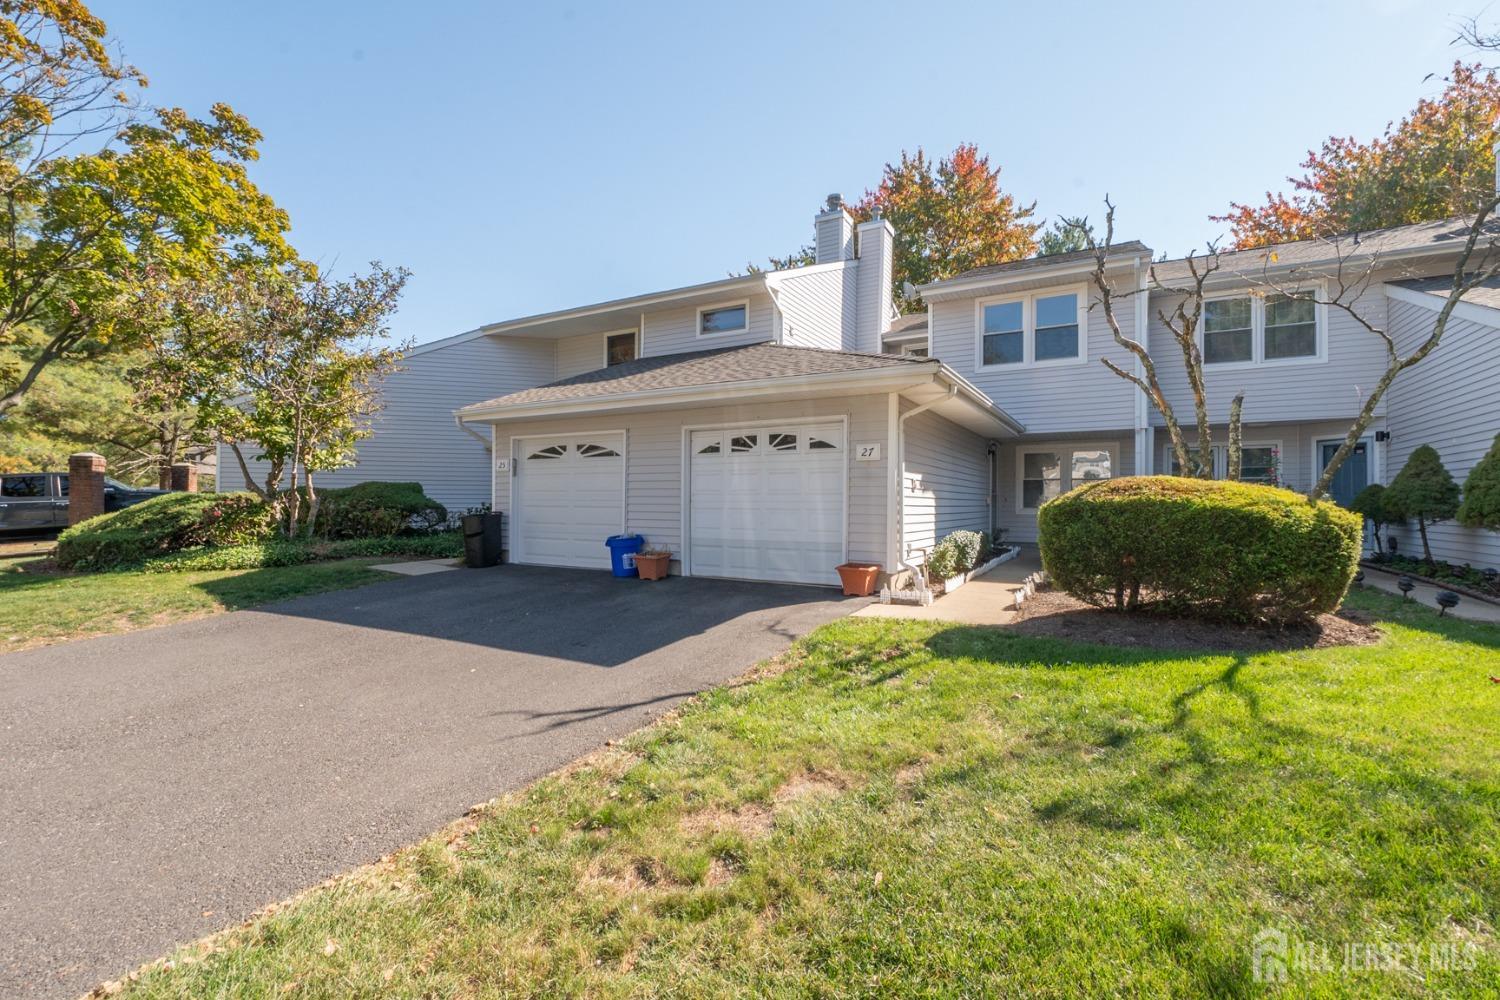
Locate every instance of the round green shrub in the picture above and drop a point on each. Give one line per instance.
(168, 523)
(1228, 551)
(955, 554)
(376, 510)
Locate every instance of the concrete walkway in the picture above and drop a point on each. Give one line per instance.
(1471, 608)
(984, 600)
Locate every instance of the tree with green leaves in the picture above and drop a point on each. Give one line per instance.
(1481, 506)
(101, 405)
(1369, 503)
(1433, 164)
(165, 195)
(1423, 491)
(288, 366)
(1065, 235)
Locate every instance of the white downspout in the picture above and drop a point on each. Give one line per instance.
(900, 459)
(472, 432)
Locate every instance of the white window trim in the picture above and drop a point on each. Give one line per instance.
(1064, 449)
(604, 343)
(698, 324)
(1028, 328)
(1221, 457)
(1258, 357)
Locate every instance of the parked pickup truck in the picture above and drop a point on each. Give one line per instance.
(38, 501)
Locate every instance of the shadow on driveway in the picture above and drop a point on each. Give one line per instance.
(164, 783)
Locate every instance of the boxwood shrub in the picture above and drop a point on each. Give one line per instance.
(1231, 551)
(957, 553)
(168, 523)
(376, 510)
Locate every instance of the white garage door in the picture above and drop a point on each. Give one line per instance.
(767, 503)
(570, 497)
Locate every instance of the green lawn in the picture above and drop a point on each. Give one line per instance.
(916, 809)
(40, 607)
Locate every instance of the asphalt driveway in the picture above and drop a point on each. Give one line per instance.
(162, 784)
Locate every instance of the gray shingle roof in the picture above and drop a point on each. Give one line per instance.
(1487, 294)
(722, 366)
(1442, 234)
(908, 324)
(1127, 248)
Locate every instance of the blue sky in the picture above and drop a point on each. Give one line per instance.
(520, 158)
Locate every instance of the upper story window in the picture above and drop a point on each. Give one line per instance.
(1038, 328)
(619, 348)
(716, 320)
(1243, 329)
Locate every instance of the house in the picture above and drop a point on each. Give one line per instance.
(772, 425)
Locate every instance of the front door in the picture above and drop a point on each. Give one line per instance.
(25, 502)
(1353, 475)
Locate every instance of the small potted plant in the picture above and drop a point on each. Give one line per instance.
(859, 578)
(652, 563)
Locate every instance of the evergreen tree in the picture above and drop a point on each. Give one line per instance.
(1422, 491)
(1481, 506)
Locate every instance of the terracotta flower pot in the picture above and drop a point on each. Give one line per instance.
(653, 566)
(859, 578)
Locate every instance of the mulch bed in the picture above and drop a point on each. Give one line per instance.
(1056, 615)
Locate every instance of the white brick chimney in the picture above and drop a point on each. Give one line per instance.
(835, 229)
(874, 297)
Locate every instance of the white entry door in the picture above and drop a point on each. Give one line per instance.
(767, 503)
(570, 497)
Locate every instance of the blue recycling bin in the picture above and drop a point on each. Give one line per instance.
(621, 547)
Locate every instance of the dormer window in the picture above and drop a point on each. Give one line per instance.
(619, 348)
(1271, 329)
(717, 321)
(1040, 328)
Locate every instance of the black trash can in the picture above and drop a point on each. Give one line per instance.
(482, 539)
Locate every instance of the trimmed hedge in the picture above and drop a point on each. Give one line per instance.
(957, 553)
(163, 524)
(1230, 551)
(280, 552)
(376, 510)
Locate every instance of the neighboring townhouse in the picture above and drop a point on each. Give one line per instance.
(772, 425)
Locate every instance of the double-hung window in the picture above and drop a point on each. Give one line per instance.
(1259, 463)
(1039, 328)
(1052, 471)
(1246, 329)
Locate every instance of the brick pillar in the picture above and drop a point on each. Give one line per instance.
(184, 478)
(85, 486)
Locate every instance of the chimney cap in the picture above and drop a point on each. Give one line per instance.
(834, 202)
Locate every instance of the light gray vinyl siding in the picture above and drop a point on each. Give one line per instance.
(1284, 391)
(414, 437)
(1020, 523)
(576, 355)
(654, 462)
(1299, 464)
(675, 331)
(875, 297)
(1450, 400)
(1048, 399)
(817, 307)
(945, 481)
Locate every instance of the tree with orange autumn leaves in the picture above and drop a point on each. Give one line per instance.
(1433, 164)
(950, 215)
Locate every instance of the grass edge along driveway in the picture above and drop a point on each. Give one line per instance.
(39, 608)
(915, 808)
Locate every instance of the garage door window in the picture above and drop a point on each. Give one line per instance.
(790, 441)
(551, 451)
(597, 451)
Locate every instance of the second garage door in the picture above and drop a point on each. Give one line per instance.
(767, 503)
(570, 497)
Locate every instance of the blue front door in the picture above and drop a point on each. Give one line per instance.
(1353, 475)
